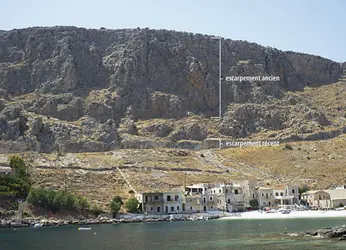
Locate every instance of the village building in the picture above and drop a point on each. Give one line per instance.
(249, 191)
(152, 202)
(286, 195)
(265, 197)
(317, 199)
(192, 203)
(173, 202)
(4, 170)
(337, 197)
(230, 197)
(208, 200)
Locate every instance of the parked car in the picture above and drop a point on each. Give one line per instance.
(285, 211)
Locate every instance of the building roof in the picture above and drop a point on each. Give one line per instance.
(313, 191)
(265, 188)
(337, 194)
(5, 168)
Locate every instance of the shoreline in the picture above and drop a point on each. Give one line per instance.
(29, 222)
(256, 215)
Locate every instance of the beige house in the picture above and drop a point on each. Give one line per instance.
(337, 197)
(152, 202)
(249, 191)
(317, 198)
(230, 197)
(173, 202)
(265, 197)
(207, 193)
(192, 203)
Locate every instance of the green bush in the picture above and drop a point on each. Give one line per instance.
(288, 147)
(254, 204)
(132, 205)
(115, 205)
(96, 210)
(56, 200)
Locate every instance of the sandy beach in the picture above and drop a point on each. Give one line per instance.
(292, 215)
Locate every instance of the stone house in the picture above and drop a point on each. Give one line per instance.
(317, 198)
(265, 197)
(173, 202)
(152, 202)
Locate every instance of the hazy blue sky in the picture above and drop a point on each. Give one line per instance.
(310, 26)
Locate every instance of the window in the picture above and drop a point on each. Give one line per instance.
(146, 198)
(156, 197)
(281, 194)
(220, 191)
(172, 209)
(226, 190)
(271, 194)
(211, 198)
(229, 200)
(151, 208)
(190, 208)
(253, 196)
(158, 209)
(204, 200)
(277, 194)
(293, 191)
(178, 208)
(168, 198)
(211, 207)
(319, 197)
(176, 197)
(267, 196)
(269, 203)
(236, 191)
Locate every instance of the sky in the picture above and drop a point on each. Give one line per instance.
(310, 26)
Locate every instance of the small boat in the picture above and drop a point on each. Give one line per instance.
(37, 225)
(84, 228)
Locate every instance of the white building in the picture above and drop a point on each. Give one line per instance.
(5, 170)
(286, 195)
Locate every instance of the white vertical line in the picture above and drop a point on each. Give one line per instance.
(220, 90)
(220, 78)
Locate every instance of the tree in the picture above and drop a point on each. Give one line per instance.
(254, 204)
(132, 205)
(303, 189)
(115, 205)
(82, 203)
(17, 163)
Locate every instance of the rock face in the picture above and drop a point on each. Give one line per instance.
(328, 233)
(74, 74)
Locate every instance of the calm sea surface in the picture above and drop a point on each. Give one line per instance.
(212, 234)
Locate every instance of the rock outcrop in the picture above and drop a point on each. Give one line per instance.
(93, 77)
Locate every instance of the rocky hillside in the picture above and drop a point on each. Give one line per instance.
(68, 89)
